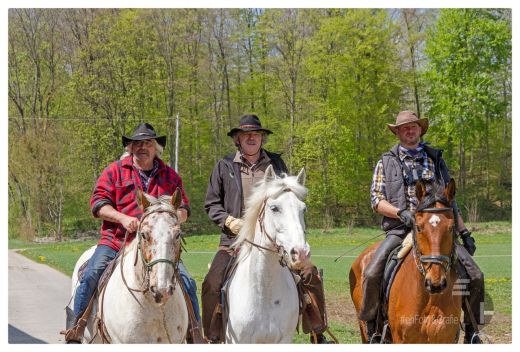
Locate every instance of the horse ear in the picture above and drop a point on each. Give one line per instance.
(301, 177)
(269, 174)
(141, 200)
(420, 190)
(449, 191)
(176, 198)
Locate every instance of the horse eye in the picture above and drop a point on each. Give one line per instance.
(274, 208)
(419, 229)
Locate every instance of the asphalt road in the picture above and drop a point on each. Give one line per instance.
(38, 295)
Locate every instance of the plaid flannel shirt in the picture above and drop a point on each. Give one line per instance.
(116, 186)
(378, 189)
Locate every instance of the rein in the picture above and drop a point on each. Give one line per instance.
(420, 259)
(279, 249)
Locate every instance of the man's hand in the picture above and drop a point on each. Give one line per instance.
(468, 242)
(129, 223)
(406, 217)
(234, 224)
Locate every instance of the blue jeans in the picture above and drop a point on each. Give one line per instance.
(95, 267)
(191, 288)
(98, 263)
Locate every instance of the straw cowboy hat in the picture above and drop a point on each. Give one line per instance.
(142, 132)
(405, 117)
(248, 123)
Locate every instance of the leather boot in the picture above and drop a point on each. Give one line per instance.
(469, 335)
(74, 335)
(372, 335)
(313, 314)
(373, 277)
(320, 339)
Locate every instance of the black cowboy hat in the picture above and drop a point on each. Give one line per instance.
(142, 132)
(248, 123)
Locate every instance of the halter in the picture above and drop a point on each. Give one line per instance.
(279, 249)
(148, 265)
(420, 260)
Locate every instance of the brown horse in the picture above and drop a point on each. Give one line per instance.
(422, 305)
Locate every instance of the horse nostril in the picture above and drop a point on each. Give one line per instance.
(153, 289)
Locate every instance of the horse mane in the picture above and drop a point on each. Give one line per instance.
(261, 191)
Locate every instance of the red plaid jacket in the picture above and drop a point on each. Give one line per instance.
(117, 186)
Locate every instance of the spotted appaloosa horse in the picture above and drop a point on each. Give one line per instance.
(142, 301)
(423, 306)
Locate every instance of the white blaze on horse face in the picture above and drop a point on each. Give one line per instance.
(434, 220)
(163, 248)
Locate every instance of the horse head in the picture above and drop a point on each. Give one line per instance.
(275, 213)
(434, 234)
(159, 237)
(284, 219)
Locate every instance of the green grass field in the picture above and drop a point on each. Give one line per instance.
(494, 249)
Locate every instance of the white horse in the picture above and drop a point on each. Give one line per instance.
(143, 302)
(263, 298)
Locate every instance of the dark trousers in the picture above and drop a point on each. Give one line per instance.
(475, 286)
(373, 277)
(211, 286)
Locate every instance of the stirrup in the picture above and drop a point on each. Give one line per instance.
(375, 338)
(475, 339)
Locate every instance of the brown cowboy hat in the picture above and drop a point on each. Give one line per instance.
(405, 117)
(142, 132)
(248, 123)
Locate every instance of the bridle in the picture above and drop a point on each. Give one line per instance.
(278, 248)
(148, 265)
(420, 259)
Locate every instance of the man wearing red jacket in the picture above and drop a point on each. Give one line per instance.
(114, 200)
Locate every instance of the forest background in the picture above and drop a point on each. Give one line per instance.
(326, 81)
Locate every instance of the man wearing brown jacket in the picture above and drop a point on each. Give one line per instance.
(231, 182)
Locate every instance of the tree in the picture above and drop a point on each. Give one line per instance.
(469, 52)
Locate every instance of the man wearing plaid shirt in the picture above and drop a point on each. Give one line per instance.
(114, 200)
(393, 196)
